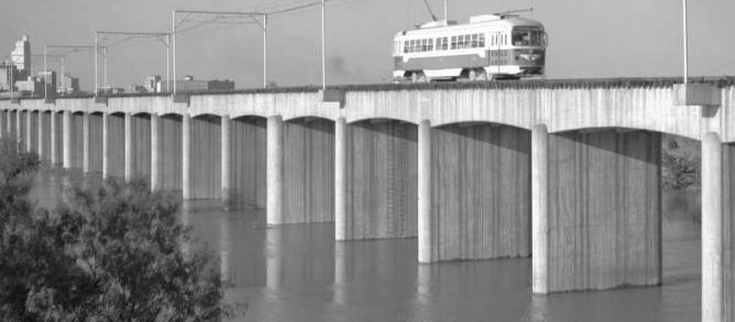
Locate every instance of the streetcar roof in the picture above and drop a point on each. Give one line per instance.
(477, 22)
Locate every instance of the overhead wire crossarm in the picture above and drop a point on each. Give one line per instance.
(163, 37)
(219, 18)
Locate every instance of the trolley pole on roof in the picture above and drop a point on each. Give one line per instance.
(686, 43)
(324, 51)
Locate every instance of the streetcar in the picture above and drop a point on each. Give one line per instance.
(496, 46)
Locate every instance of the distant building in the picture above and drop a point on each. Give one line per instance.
(21, 57)
(69, 85)
(188, 85)
(8, 72)
(135, 88)
(151, 83)
(49, 80)
(32, 86)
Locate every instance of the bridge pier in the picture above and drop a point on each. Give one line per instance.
(32, 131)
(40, 133)
(20, 124)
(474, 192)
(155, 152)
(248, 141)
(381, 180)
(340, 179)
(274, 209)
(308, 165)
(596, 210)
(56, 146)
(186, 156)
(718, 178)
(225, 158)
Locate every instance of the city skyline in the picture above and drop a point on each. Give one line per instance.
(646, 38)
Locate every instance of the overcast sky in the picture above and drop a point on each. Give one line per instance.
(588, 38)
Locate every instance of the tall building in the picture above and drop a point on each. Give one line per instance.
(21, 57)
(8, 72)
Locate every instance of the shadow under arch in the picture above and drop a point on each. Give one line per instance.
(480, 190)
(381, 174)
(308, 163)
(248, 158)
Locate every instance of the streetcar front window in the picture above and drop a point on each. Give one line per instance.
(528, 37)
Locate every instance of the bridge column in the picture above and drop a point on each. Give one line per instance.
(340, 179)
(713, 296)
(155, 152)
(29, 131)
(18, 126)
(596, 210)
(53, 142)
(105, 145)
(226, 170)
(67, 132)
(539, 214)
(85, 143)
(274, 181)
(424, 192)
(40, 132)
(186, 156)
(128, 146)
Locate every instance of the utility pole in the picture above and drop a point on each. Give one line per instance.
(446, 10)
(686, 43)
(324, 50)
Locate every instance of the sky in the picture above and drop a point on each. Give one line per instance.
(588, 38)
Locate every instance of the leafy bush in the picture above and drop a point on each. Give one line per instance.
(114, 253)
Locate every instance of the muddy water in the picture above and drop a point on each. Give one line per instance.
(298, 273)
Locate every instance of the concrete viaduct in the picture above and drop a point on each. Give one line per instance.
(569, 171)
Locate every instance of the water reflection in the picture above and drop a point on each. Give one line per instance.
(299, 273)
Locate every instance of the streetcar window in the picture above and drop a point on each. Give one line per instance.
(527, 37)
(481, 41)
(405, 46)
(431, 44)
(474, 41)
(454, 42)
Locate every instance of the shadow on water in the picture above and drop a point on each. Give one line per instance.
(299, 273)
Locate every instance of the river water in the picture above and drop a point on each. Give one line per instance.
(299, 273)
